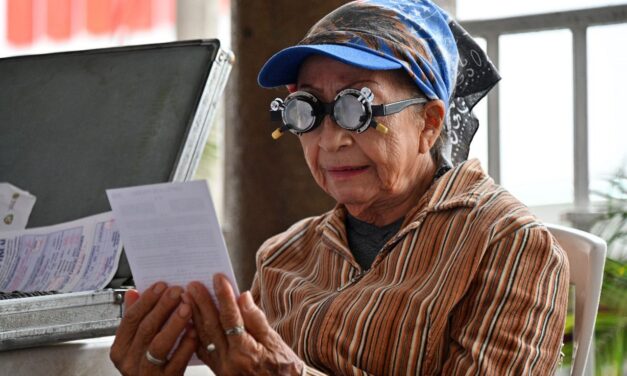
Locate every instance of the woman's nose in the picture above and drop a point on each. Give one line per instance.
(332, 136)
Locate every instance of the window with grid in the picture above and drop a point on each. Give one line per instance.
(552, 132)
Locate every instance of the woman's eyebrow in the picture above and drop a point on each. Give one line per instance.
(308, 87)
(352, 84)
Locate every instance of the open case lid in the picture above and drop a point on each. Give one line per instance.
(76, 123)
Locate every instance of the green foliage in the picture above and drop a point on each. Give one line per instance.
(610, 333)
(612, 224)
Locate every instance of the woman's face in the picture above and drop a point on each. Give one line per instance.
(366, 171)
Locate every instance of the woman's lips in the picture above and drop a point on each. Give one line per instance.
(344, 172)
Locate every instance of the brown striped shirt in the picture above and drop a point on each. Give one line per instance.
(471, 284)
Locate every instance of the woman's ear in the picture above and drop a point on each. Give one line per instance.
(433, 121)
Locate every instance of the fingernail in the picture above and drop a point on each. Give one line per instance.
(174, 293)
(159, 287)
(249, 304)
(192, 289)
(185, 298)
(218, 283)
(184, 310)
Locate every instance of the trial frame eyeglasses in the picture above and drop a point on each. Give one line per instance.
(351, 109)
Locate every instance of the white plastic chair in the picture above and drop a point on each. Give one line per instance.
(586, 256)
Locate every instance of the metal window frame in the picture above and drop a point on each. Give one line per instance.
(577, 21)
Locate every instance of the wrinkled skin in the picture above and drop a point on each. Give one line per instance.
(258, 351)
(377, 177)
(154, 321)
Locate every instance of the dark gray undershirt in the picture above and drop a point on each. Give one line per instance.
(366, 240)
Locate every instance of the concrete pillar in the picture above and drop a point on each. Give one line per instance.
(268, 186)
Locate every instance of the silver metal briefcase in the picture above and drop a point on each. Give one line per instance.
(74, 124)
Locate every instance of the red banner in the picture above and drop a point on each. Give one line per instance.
(20, 21)
(59, 19)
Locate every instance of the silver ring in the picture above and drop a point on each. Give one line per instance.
(156, 361)
(211, 348)
(234, 331)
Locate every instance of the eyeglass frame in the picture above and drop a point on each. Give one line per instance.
(365, 96)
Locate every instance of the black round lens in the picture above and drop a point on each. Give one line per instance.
(299, 115)
(349, 112)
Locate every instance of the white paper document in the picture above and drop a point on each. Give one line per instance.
(171, 233)
(81, 255)
(15, 207)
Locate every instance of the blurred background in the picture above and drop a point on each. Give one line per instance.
(553, 133)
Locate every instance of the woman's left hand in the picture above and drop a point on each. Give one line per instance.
(237, 339)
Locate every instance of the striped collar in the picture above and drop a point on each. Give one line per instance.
(460, 186)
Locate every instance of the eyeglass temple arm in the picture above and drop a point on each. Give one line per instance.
(392, 108)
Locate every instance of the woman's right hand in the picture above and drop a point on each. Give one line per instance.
(151, 325)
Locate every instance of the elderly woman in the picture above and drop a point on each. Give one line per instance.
(425, 266)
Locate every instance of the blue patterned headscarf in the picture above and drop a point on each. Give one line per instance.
(416, 36)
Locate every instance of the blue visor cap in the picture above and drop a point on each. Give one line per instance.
(282, 68)
(379, 35)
